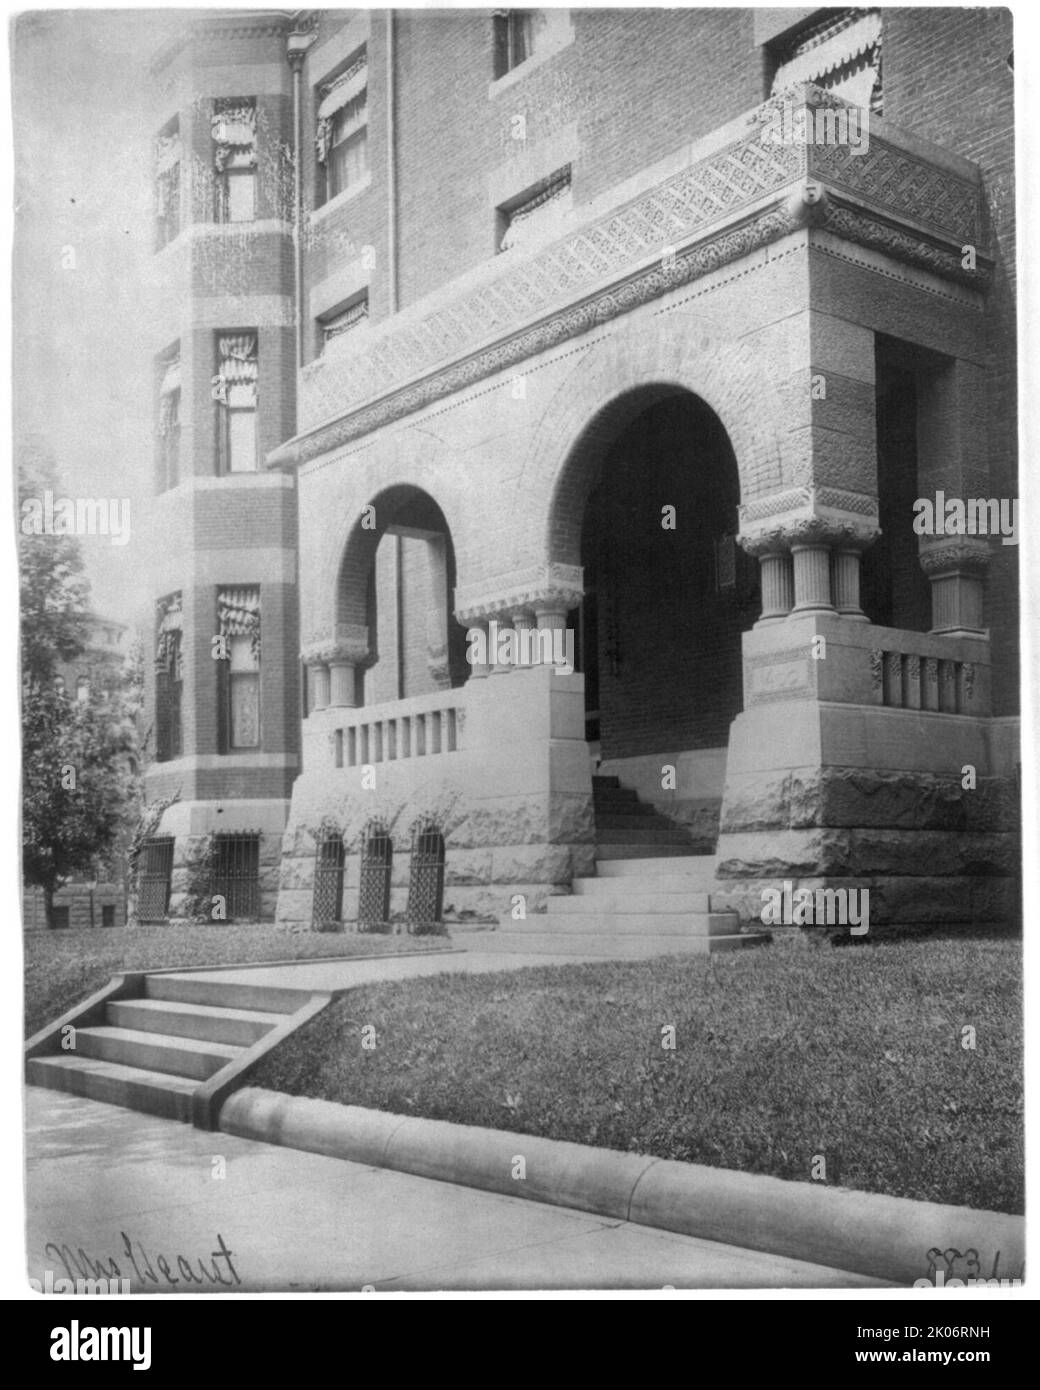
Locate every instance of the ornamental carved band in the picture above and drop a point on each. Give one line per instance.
(554, 587)
(741, 196)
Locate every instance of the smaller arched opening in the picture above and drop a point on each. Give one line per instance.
(328, 880)
(377, 861)
(396, 585)
(426, 880)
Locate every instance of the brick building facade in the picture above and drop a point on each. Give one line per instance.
(549, 328)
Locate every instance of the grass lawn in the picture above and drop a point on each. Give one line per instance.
(63, 967)
(781, 1053)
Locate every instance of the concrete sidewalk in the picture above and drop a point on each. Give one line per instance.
(99, 1177)
(346, 972)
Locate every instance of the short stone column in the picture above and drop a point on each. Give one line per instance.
(777, 574)
(523, 621)
(477, 639)
(956, 569)
(845, 562)
(317, 685)
(812, 577)
(499, 625)
(343, 683)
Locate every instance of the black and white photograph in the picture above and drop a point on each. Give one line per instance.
(521, 683)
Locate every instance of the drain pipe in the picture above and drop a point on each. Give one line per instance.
(391, 164)
(298, 44)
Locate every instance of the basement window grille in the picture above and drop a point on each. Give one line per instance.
(426, 881)
(328, 880)
(377, 858)
(236, 875)
(153, 893)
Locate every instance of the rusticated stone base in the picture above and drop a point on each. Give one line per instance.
(494, 853)
(931, 851)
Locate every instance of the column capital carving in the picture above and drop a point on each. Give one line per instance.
(553, 584)
(954, 555)
(350, 644)
(802, 516)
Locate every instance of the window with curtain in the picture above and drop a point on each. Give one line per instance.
(169, 678)
(238, 620)
(169, 423)
(235, 158)
(840, 53)
(341, 141)
(513, 39)
(539, 214)
(339, 324)
(167, 185)
(235, 393)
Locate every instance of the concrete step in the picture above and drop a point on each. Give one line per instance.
(606, 783)
(648, 900)
(651, 834)
(155, 1094)
(644, 818)
(612, 864)
(702, 923)
(157, 1052)
(201, 1021)
(645, 851)
(635, 885)
(190, 988)
(619, 947)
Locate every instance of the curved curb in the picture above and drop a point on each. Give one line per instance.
(861, 1232)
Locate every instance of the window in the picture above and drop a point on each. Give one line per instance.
(341, 321)
(514, 39)
(537, 215)
(167, 184)
(169, 678)
(235, 392)
(840, 52)
(342, 134)
(169, 424)
(236, 875)
(328, 880)
(59, 918)
(238, 620)
(234, 158)
(377, 859)
(154, 879)
(108, 915)
(426, 880)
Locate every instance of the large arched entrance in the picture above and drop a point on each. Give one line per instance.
(648, 506)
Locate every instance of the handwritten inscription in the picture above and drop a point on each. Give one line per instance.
(173, 1270)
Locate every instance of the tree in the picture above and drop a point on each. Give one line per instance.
(77, 784)
(54, 588)
(78, 770)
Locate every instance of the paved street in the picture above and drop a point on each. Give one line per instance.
(99, 1177)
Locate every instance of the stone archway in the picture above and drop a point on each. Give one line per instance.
(393, 632)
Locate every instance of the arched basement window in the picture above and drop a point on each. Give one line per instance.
(377, 858)
(426, 880)
(328, 880)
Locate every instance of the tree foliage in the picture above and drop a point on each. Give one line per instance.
(54, 588)
(79, 780)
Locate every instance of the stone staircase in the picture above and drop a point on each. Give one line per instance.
(171, 1044)
(651, 894)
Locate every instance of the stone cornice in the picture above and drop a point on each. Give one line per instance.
(735, 199)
